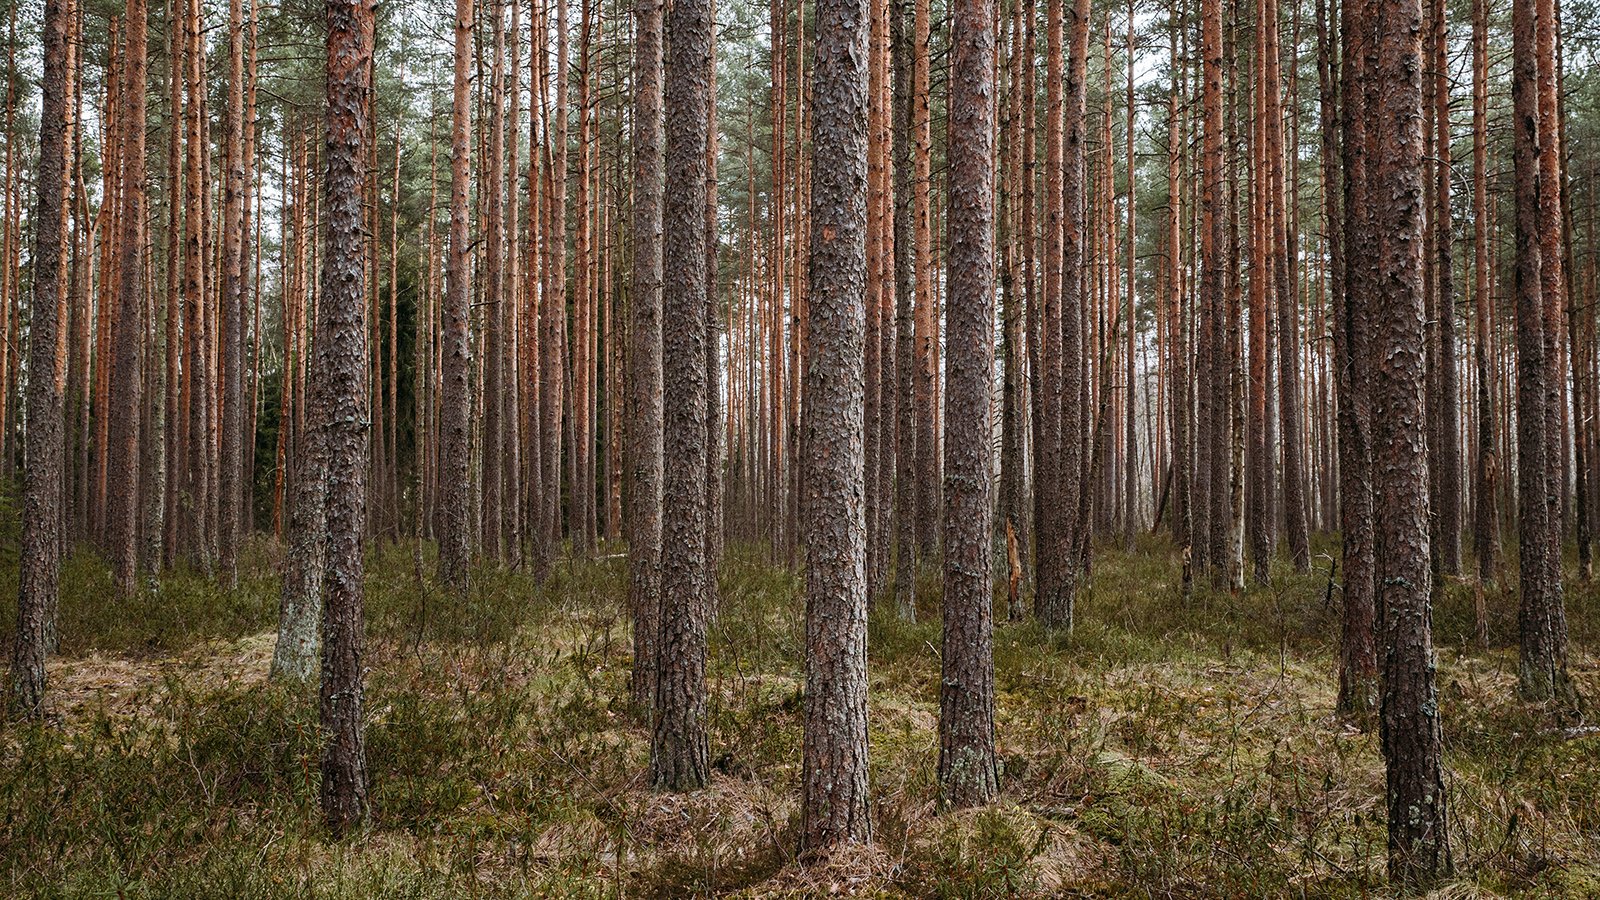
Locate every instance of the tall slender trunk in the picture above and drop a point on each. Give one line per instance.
(905, 493)
(968, 769)
(678, 749)
(454, 477)
(341, 362)
(1285, 253)
(1358, 656)
(1486, 513)
(1419, 846)
(834, 781)
(644, 354)
(927, 324)
(42, 495)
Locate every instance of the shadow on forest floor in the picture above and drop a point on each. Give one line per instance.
(1163, 748)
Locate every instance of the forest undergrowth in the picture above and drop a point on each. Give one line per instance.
(1162, 749)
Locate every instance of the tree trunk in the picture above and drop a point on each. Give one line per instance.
(455, 406)
(968, 770)
(1486, 513)
(42, 495)
(1358, 657)
(905, 491)
(927, 323)
(1541, 621)
(123, 503)
(834, 782)
(341, 362)
(678, 749)
(1419, 848)
(644, 354)
(231, 474)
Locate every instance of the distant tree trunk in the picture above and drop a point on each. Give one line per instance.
(1445, 414)
(171, 461)
(714, 435)
(1285, 253)
(1130, 472)
(123, 512)
(1419, 846)
(927, 323)
(1014, 277)
(968, 770)
(1180, 403)
(876, 514)
(1262, 474)
(1358, 659)
(231, 476)
(1209, 417)
(42, 495)
(341, 363)
(553, 304)
(493, 450)
(905, 491)
(580, 489)
(880, 263)
(678, 749)
(1051, 511)
(834, 783)
(1486, 513)
(511, 311)
(455, 547)
(1541, 619)
(644, 355)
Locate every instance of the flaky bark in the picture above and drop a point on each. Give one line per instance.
(1358, 659)
(644, 355)
(42, 495)
(1419, 847)
(927, 325)
(1210, 415)
(340, 364)
(1541, 621)
(1285, 252)
(1052, 527)
(231, 474)
(1485, 513)
(122, 514)
(905, 488)
(968, 770)
(834, 781)
(492, 204)
(1444, 413)
(678, 748)
(454, 408)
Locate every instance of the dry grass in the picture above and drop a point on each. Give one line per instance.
(1162, 750)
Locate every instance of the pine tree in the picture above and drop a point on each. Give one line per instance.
(42, 494)
(678, 749)
(1419, 846)
(340, 367)
(834, 782)
(644, 356)
(968, 769)
(455, 547)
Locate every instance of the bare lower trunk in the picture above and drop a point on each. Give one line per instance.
(644, 356)
(341, 364)
(968, 769)
(834, 782)
(678, 749)
(42, 496)
(455, 546)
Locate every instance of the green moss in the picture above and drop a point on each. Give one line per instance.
(1162, 748)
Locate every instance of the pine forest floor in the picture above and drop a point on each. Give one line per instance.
(1163, 749)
